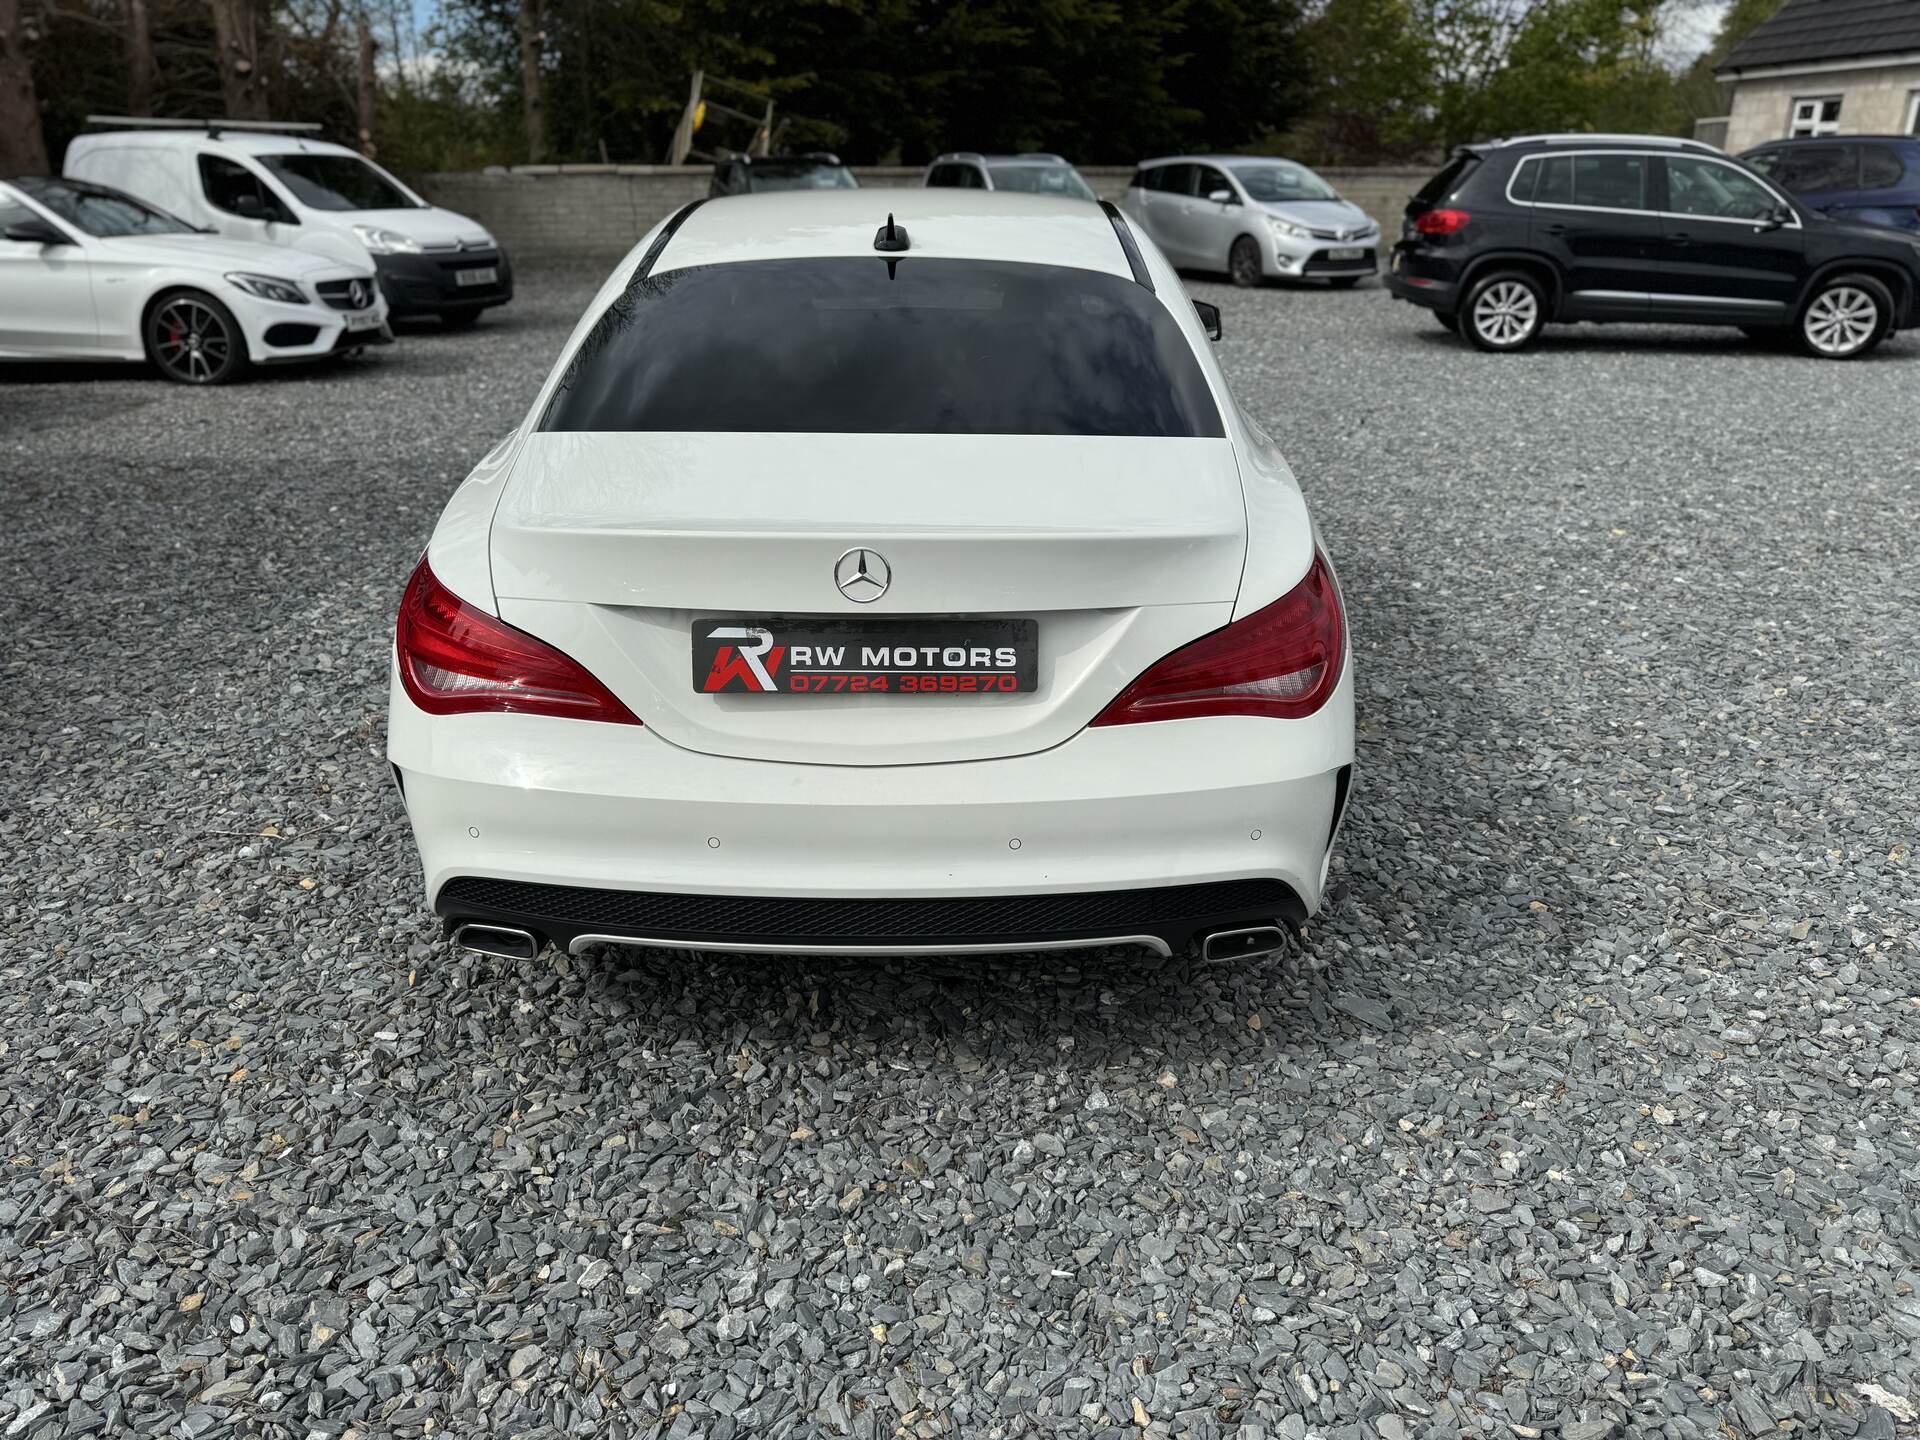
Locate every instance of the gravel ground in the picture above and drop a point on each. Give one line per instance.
(1583, 1111)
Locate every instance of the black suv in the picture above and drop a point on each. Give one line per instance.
(1632, 228)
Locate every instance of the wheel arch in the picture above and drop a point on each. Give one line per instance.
(190, 285)
(1534, 263)
(1890, 273)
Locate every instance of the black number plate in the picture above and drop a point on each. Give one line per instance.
(809, 655)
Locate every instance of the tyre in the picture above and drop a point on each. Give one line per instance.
(1845, 317)
(1344, 282)
(193, 339)
(1504, 311)
(459, 319)
(1243, 262)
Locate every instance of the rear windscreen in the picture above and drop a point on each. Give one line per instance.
(875, 345)
(1447, 179)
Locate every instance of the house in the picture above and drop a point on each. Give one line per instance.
(1825, 67)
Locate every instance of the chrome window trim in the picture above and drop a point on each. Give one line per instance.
(1765, 184)
(730, 947)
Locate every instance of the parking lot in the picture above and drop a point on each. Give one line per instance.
(1584, 1109)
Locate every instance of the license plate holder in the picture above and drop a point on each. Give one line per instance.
(482, 275)
(825, 655)
(364, 320)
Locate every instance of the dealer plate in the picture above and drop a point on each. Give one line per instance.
(485, 275)
(810, 655)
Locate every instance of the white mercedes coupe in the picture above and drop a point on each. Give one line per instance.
(878, 584)
(89, 273)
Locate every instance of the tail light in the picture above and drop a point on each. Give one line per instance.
(1281, 661)
(1442, 222)
(457, 660)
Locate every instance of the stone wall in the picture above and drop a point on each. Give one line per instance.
(1872, 102)
(596, 212)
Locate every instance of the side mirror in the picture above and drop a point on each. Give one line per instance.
(249, 204)
(1222, 197)
(36, 232)
(1775, 218)
(1209, 314)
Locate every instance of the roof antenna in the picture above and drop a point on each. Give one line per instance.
(890, 236)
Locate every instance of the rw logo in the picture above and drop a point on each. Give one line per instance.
(750, 666)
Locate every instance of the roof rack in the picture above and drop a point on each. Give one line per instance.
(1578, 137)
(212, 127)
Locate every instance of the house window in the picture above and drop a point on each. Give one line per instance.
(1816, 115)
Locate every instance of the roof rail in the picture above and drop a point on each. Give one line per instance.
(1042, 155)
(1576, 137)
(961, 155)
(212, 127)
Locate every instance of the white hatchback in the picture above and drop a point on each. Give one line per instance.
(868, 584)
(88, 273)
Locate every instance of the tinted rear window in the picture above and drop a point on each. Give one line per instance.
(1446, 180)
(913, 346)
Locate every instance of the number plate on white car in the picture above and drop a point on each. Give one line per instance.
(367, 320)
(1346, 252)
(485, 275)
(815, 656)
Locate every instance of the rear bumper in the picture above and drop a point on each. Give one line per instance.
(1414, 276)
(621, 834)
(429, 284)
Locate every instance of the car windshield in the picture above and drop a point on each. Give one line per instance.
(1030, 179)
(337, 182)
(102, 212)
(879, 345)
(799, 175)
(1279, 182)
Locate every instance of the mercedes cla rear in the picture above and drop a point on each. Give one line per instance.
(878, 585)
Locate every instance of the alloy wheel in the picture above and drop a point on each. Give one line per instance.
(1506, 313)
(192, 341)
(1841, 320)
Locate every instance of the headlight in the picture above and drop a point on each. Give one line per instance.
(1287, 230)
(269, 288)
(386, 242)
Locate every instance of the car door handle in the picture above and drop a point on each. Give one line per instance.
(1680, 237)
(1556, 229)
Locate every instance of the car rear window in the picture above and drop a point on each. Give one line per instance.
(1880, 167)
(886, 346)
(1447, 179)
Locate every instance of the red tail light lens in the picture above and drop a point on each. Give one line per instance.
(1442, 222)
(457, 660)
(1282, 661)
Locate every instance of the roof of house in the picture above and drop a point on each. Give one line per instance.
(1808, 32)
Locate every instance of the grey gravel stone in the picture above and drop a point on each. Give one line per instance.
(1633, 623)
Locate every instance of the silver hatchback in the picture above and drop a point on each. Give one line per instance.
(1254, 217)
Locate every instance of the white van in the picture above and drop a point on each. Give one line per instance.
(278, 186)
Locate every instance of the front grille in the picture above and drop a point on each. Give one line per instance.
(341, 295)
(793, 920)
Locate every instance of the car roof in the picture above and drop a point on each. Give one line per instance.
(247, 142)
(1029, 157)
(1832, 140)
(1224, 161)
(940, 224)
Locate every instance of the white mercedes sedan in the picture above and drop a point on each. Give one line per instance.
(89, 273)
(878, 584)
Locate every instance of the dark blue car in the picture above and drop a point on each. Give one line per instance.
(1874, 179)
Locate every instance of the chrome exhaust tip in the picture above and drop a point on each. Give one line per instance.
(1247, 944)
(503, 942)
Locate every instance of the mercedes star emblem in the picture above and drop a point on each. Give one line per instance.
(357, 292)
(862, 575)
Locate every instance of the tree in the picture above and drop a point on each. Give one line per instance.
(533, 104)
(139, 50)
(23, 148)
(1372, 92)
(236, 41)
